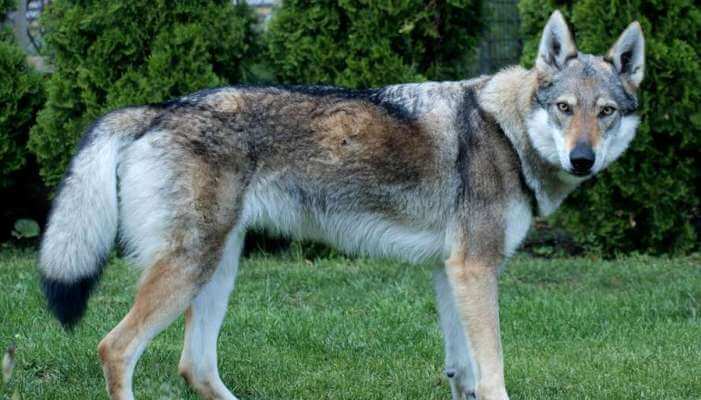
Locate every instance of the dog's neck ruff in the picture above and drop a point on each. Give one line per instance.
(527, 187)
(471, 102)
(508, 96)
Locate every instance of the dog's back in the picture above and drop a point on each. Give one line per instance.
(422, 172)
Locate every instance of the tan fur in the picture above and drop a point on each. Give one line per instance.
(226, 101)
(163, 294)
(167, 288)
(123, 121)
(583, 128)
(474, 283)
(508, 96)
(355, 132)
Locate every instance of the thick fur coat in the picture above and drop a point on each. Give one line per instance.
(449, 174)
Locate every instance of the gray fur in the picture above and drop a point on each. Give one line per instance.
(419, 172)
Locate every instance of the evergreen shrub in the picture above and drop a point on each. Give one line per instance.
(360, 44)
(109, 54)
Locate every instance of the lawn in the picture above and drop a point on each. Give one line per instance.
(338, 328)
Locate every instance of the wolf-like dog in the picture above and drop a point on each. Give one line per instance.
(449, 174)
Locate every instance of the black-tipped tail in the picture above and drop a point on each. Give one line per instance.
(68, 301)
(83, 222)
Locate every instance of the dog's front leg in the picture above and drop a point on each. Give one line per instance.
(473, 280)
(458, 361)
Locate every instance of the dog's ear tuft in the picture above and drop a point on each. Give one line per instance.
(556, 45)
(628, 54)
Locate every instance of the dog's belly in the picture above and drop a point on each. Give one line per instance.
(353, 232)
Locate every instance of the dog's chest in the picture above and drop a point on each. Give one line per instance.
(518, 216)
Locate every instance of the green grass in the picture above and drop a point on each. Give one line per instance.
(339, 328)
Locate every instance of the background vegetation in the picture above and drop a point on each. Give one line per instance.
(339, 328)
(362, 44)
(108, 54)
(649, 200)
(21, 96)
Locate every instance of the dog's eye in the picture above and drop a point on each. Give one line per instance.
(607, 110)
(564, 107)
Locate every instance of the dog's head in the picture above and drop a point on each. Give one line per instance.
(583, 114)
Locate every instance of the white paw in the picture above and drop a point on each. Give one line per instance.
(461, 384)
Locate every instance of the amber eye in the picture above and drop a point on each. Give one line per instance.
(607, 110)
(564, 107)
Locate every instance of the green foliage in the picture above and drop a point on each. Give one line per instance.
(6, 6)
(357, 43)
(21, 96)
(110, 54)
(648, 200)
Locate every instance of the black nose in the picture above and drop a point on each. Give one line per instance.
(582, 158)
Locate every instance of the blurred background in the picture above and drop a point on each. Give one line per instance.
(64, 63)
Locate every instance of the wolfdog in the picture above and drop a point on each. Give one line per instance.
(449, 174)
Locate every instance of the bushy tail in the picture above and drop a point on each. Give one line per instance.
(83, 223)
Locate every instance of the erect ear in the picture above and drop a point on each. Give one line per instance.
(556, 45)
(628, 54)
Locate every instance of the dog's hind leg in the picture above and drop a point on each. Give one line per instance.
(207, 203)
(163, 295)
(203, 319)
(458, 362)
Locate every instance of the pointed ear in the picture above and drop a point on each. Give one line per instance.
(628, 54)
(556, 45)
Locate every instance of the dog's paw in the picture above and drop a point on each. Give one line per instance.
(461, 383)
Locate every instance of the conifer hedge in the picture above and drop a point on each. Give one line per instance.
(358, 43)
(109, 54)
(649, 200)
(21, 96)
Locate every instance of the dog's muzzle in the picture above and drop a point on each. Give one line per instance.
(582, 158)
